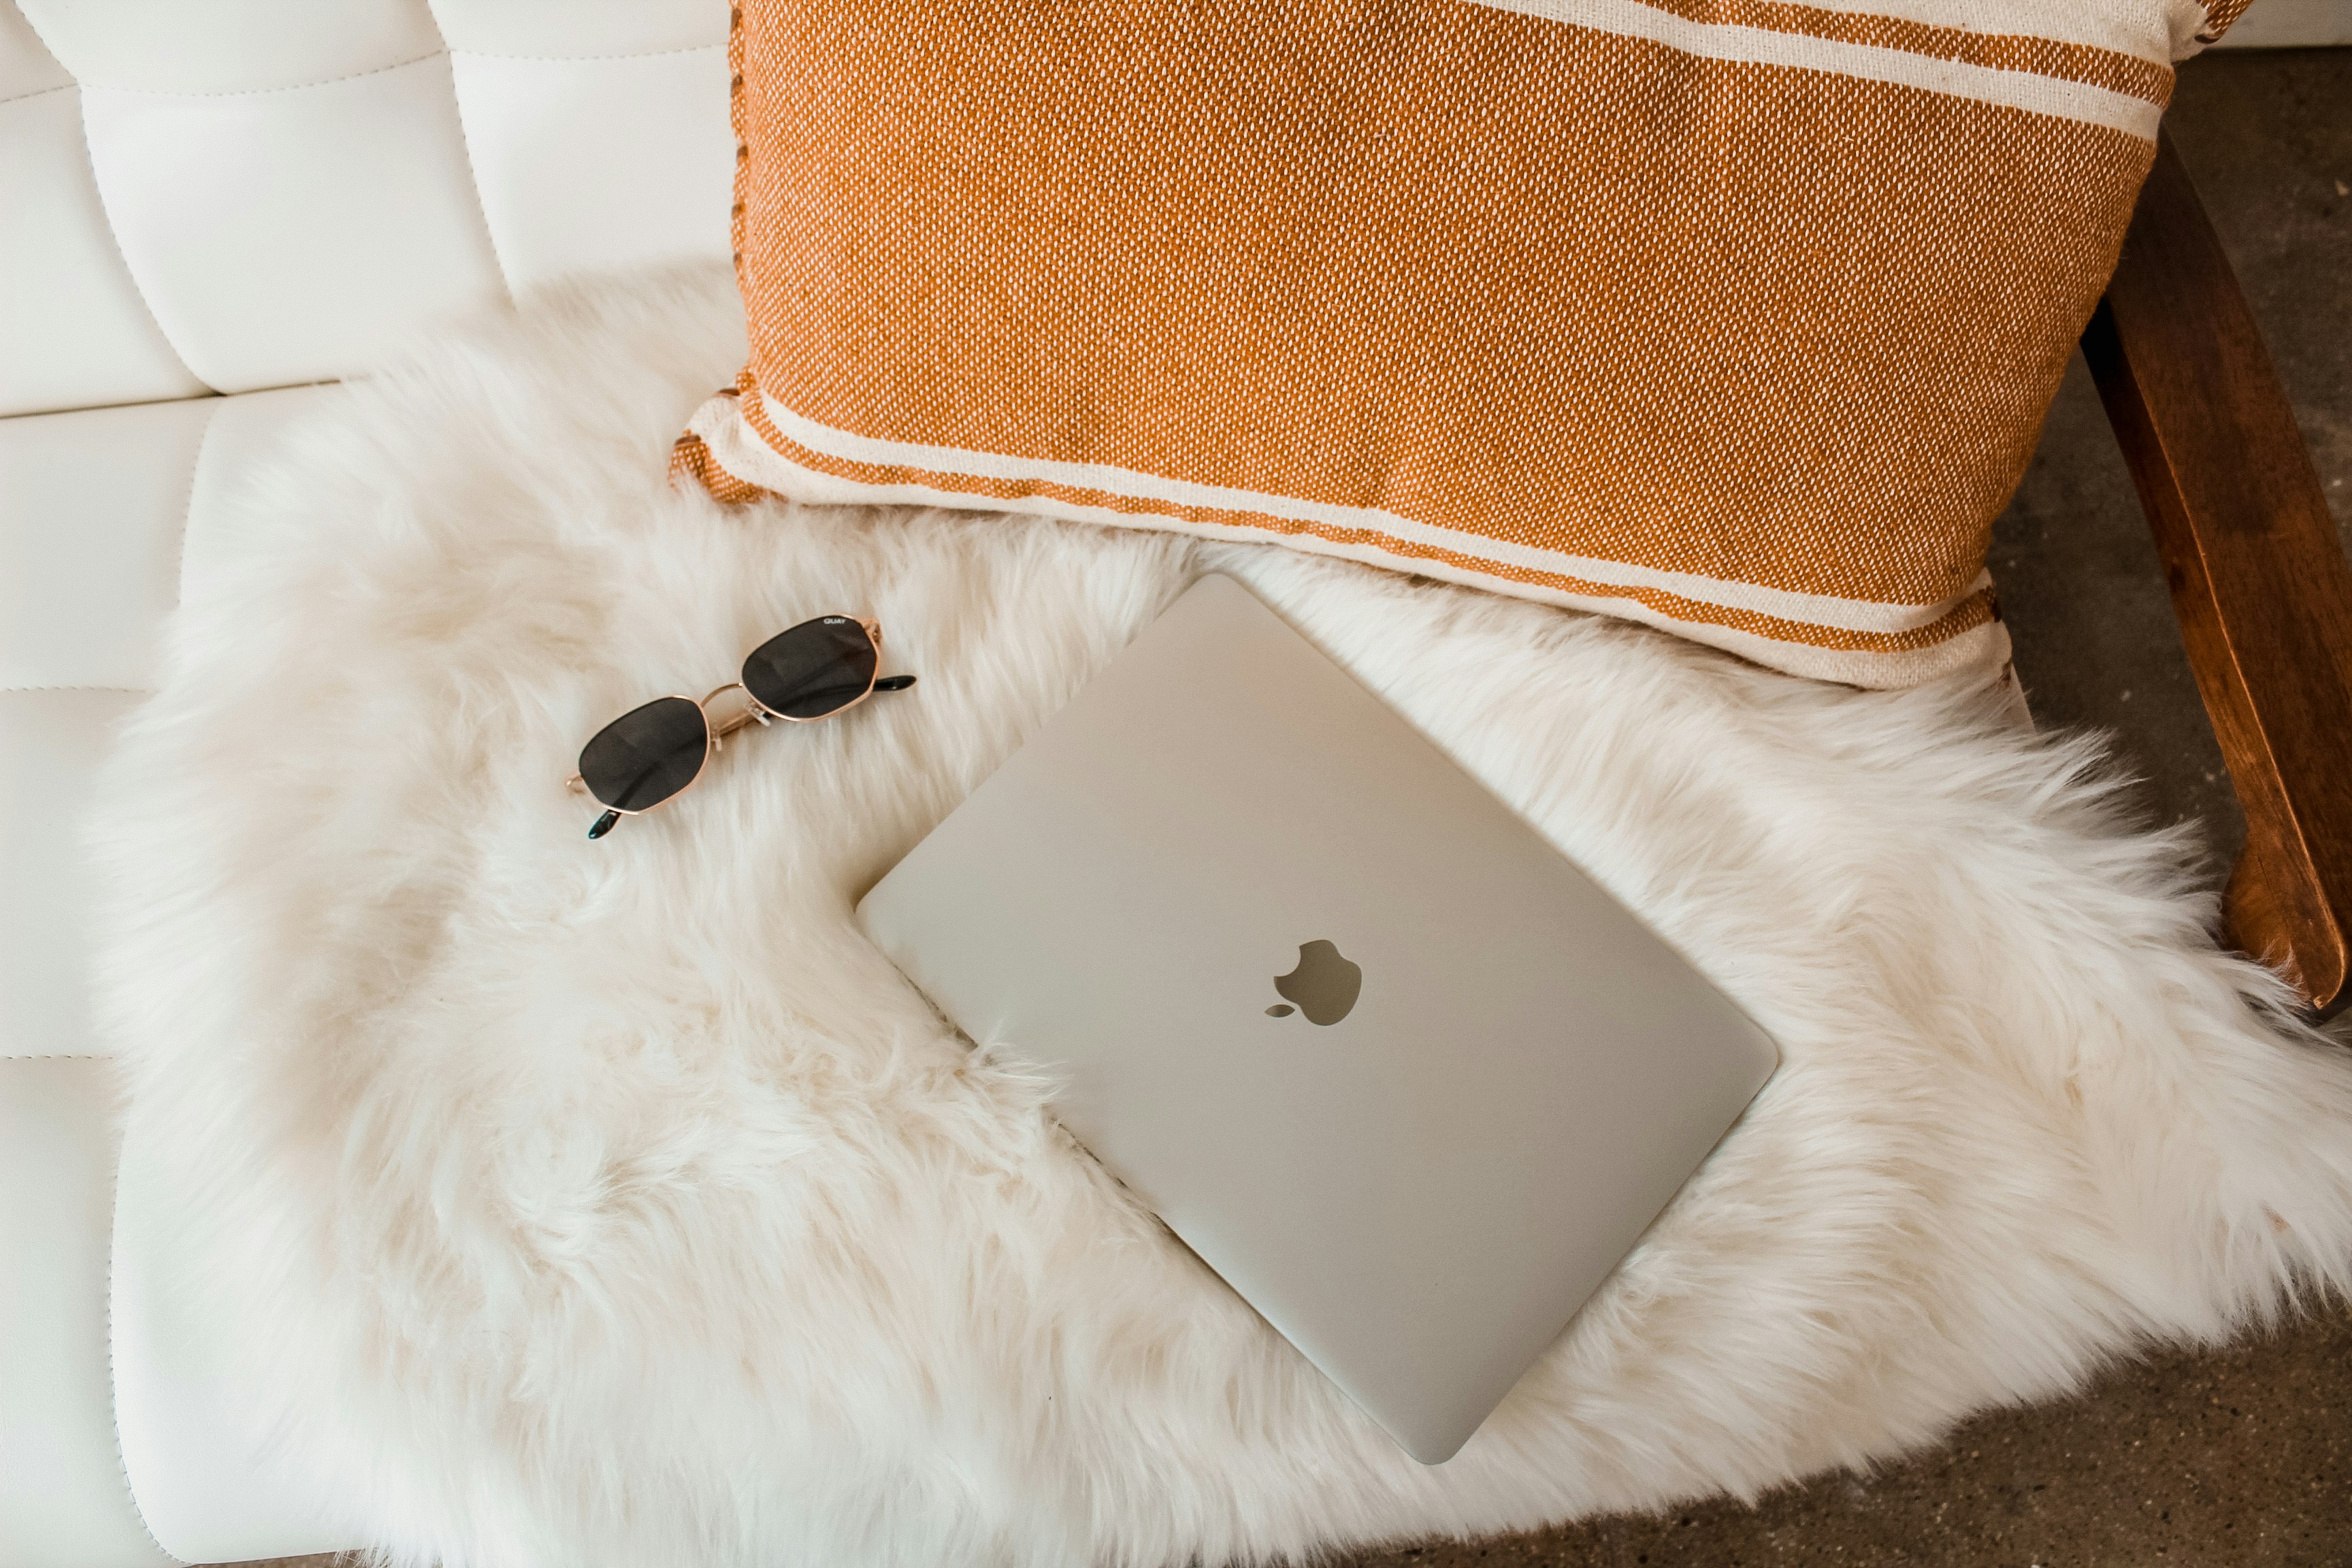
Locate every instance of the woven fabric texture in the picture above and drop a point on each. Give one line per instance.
(1731, 316)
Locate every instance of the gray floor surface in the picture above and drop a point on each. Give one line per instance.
(2236, 1458)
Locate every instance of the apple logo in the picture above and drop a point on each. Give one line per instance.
(1324, 985)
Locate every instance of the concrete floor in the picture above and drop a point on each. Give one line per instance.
(2232, 1458)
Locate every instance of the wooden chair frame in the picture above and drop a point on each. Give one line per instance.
(2258, 575)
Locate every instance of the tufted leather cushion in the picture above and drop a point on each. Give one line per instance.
(218, 195)
(61, 1491)
(95, 1396)
(242, 194)
(211, 1486)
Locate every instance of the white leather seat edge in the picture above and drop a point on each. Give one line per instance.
(209, 1482)
(376, 163)
(207, 1479)
(64, 1499)
(107, 1375)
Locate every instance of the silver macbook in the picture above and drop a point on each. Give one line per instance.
(1399, 1072)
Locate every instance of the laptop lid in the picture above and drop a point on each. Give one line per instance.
(1397, 1070)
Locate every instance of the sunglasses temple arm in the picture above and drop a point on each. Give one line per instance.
(894, 683)
(604, 825)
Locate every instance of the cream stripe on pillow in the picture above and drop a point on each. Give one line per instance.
(1734, 317)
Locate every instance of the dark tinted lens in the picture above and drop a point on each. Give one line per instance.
(646, 755)
(814, 669)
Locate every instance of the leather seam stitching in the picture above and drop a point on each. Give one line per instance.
(266, 91)
(445, 51)
(113, 1406)
(565, 59)
(114, 237)
(188, 513)
(474, 180)
(39, 92)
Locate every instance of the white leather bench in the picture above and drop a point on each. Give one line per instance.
(225, 196)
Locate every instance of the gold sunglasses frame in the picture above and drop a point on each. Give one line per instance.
(714, 736)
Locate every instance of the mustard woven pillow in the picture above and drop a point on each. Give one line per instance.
(1734, 317)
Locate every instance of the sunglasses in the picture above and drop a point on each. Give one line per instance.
(649, 755)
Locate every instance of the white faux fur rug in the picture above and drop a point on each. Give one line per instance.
(615, 1203)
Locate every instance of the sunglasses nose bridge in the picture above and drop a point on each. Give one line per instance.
(756, 713)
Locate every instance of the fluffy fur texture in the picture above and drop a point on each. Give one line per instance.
(616, 1204)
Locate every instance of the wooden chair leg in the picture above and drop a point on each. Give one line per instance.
(2258, 575)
